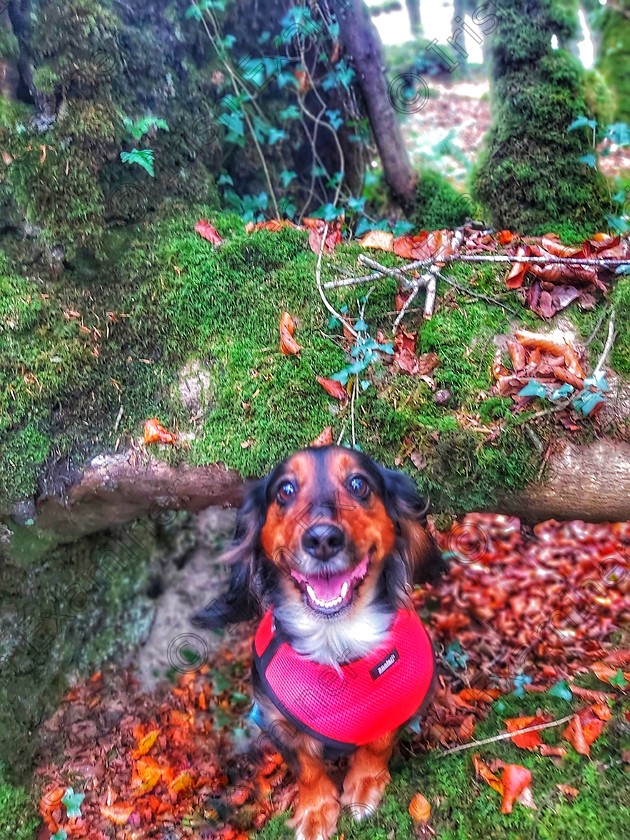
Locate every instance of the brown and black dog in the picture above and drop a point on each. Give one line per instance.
(328, 548)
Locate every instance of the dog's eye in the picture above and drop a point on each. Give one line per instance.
(286, 491)
(358, 487)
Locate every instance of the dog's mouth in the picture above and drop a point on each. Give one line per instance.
(329, 594)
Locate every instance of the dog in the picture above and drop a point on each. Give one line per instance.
(327, 550)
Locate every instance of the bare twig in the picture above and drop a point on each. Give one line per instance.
(504, 735)
(608, 346)
(318, 280)
(355, 385)
(406, 306)
(481, 258)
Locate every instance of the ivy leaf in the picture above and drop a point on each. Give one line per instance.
(234, 123)
(620, 225)
(363, 226)
(275, 135)
(341, 376)
(562, 392)
(333, 322)
(194, 12)
(365, 384)
(586, 401)
(619, 197)
(335, 119)
(561, 689)
(597, 380)
(225, 179)
(227, 42)
(619, 681)
(290, 113)
(59, 835)
(623, 269)
(73, 801)
(582, 122)
(520, 681)
(317, 171)
(401, 227)
(533, 389)
(143, 157)
(361, 326)
(455, 656)
(286, 176)
(618, 134)
(356, 204)
(589, 160)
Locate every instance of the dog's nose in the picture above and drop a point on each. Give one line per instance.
(323, 541)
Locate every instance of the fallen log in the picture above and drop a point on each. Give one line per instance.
(589, 482)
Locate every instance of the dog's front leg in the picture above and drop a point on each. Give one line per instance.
(317, 808)
(368, 777)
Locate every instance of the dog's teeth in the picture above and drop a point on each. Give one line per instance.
(311, 593)
(344, 590)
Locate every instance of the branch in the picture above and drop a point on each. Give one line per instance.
(504, 735)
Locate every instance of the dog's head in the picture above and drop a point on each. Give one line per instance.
(330, 530)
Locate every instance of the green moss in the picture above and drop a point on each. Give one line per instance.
(18, 818)
(599, 98)
(530, 175)
(620, 355)
(438, 203)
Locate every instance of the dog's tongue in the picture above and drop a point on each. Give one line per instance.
(329, 588)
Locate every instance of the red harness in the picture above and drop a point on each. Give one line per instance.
(365, 699)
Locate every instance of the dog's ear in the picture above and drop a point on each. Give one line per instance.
(243, 599)
(422, 559)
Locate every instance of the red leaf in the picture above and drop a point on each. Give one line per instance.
(528, 740)
(208, 232)
(515, 779)
(333, 237)
(334, 388)
(154, 432)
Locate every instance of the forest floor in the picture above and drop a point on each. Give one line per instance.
(532, 645)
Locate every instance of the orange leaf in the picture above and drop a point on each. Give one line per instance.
(515, 779)
(380, 240)
(574, 734)
(485, 695)
(324, 438)
(118, 813)
(154, 432)
(516, 274)
(334, 388)
(183, 782)
(288, 345)
(605, 672)
(505, 237)
(145, 744)
(528, 740)
(483, 771)
(548, 749)
(272, 225)
(419, 808)
(568, 791)
(208, 232)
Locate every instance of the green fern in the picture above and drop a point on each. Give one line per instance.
(143, 157)
(138, 128)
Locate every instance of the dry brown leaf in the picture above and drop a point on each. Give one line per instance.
(334, 388)
(288, 345)
(419, 808)
(484, 772)
(324, 438)
(380, 240)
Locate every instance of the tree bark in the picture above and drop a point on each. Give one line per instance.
(415, 19)
(589, 482)
(361, 40)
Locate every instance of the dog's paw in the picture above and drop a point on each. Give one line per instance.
(316, 821)
(362, 793)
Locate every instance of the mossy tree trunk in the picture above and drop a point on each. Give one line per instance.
(362, 42)
(531, 171)
(613, 57)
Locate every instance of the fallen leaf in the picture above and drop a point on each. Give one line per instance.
(288, 345)
(380, 240)
(609, 674)
(568, 791)
(154, 432)
(484, 772)
(324, 438)
(207, 231)
(528, 740)
(515, 779)
(316, 232)
(419, 808)
(575, 736)
(550, 750)
(145, 743)
(118, 813)
(334, 388)
(485, 695)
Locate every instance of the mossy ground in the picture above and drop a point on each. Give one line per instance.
(18, 819)
(464, 808)
(176, 297)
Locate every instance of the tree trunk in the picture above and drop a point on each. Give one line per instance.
(415, 19)
(361, 40)
(458, 34)
(589, 482)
